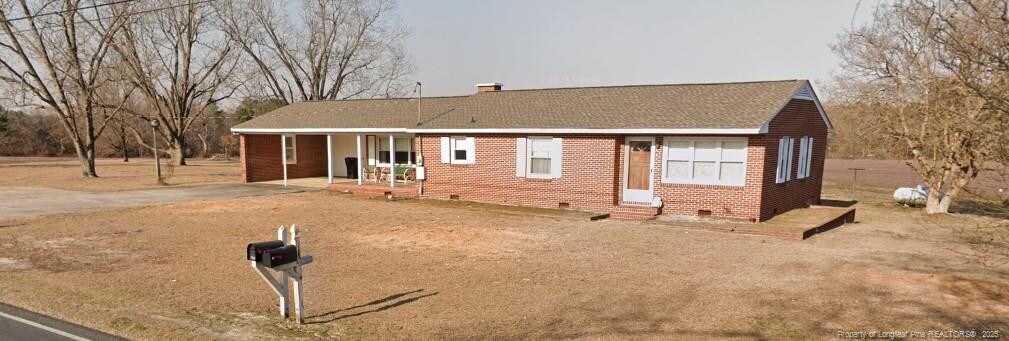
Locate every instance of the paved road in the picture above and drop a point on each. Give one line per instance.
(22, 325)
(22, 202)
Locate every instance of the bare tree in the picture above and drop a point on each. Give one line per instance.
(338, 49)
(120, 139)
(902, 69)
(974, 35)
(181, 64)
(56, 51)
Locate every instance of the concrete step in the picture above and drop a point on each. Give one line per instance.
(634, 212)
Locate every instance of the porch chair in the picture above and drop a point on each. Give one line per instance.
(370, 174)
(406, 173)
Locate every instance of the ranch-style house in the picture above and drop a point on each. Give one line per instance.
(746, 150)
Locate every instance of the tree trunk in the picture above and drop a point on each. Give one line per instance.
(178, 150)
(937, 202)
(86, 155)
(206, 147)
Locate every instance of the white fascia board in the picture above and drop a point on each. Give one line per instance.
(315, 130)
(674, 131)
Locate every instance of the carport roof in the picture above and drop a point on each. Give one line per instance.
(743, 107)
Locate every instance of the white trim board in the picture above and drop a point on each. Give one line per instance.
(659, 131)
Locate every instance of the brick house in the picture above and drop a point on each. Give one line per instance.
(747, 150)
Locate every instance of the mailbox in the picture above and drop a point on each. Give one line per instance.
(280, 256)
(255, 250)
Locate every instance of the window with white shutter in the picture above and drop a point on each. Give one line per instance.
(539, 157)
(458, 150)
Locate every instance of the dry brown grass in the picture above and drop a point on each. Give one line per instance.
(114, 175)
(423, 270)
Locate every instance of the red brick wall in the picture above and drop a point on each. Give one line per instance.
(261, 158)
(592, 178)
(799, 118)
(588, 180)
(738, 202)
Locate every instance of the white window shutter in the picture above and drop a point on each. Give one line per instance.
(802, 157)
(790, 150)
(809, 155)
(780, 176)
(446, 150)
(520, 157)
(556, 158)
(471, 151)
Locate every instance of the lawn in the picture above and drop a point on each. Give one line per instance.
(114, 174)
(417, 269)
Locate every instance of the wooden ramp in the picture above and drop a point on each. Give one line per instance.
(797, 224)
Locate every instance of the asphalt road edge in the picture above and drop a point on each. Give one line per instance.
(52, 325)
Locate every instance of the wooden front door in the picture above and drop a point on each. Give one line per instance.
(638, 186)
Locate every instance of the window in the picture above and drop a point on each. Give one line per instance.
(379, 146)
(805, 157)
(291, 149)
(784, 173)
(461, 147)
(704, 161)
(458, 150)
(538, 157)
(383, 150)
(540, 150)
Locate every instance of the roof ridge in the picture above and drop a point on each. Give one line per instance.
(557, 88)
(377, 99)
(651, 85)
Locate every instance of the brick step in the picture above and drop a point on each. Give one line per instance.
(633, 212)
(376, 191)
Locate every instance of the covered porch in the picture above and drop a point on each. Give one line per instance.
(310, 160)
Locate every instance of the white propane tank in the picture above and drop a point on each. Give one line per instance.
(911, 196)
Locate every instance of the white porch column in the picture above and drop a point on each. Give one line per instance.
(283, 155)
(360, 164)
(392, 161)
(329, 155)
(409, 152)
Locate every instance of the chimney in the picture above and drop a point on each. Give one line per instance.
(488, 87)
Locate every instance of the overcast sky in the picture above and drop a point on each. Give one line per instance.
(536, 44)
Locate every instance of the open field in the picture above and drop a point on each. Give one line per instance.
(114, 174)
(431, 269)
(896, 173)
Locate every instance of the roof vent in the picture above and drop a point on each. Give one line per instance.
(488, 87)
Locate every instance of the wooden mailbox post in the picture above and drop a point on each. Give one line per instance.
(284, 257)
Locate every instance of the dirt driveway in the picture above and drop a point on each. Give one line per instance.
(21, 202)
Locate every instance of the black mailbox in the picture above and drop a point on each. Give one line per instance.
(255, 250)
(280, 256)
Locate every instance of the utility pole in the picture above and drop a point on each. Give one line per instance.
(157, 159)
(420, 97)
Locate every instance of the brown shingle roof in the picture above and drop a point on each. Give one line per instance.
(745, 105)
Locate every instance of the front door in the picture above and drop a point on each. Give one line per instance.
(638, 163)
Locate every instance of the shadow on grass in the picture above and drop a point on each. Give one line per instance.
(392, 300)
(987, 208)
(837, 202)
